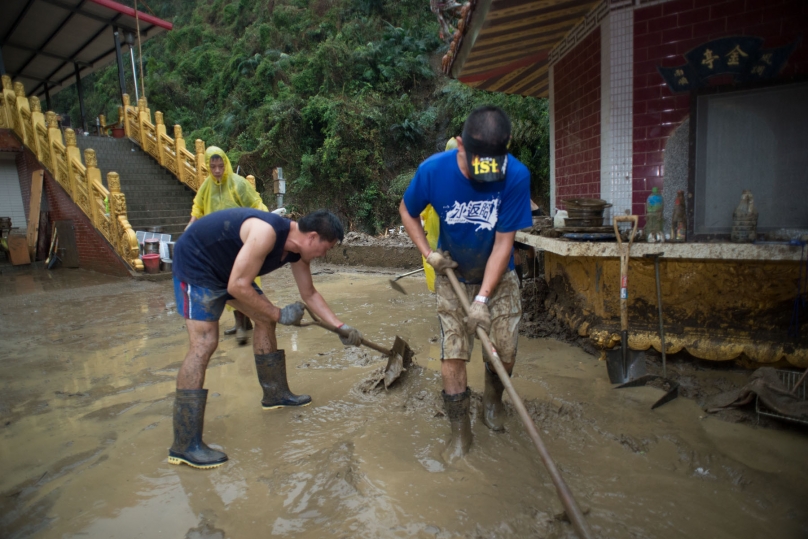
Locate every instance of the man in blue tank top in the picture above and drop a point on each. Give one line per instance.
(482, 196)
(216, 262)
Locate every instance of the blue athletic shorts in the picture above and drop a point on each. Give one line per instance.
(202, 304)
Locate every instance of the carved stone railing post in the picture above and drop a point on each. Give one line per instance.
(250, 178)
(72, 152)
(125, 238)
(121, 116)
(179, 141)
(93, 175)
(143, 115)
(126, 106)
(199, 148)
(54, 135)
(7, 98)
(19, 122)
(37, 118)
(159, 130)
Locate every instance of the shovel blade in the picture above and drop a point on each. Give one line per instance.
(670, 387)
(399, 361)
(634, 368)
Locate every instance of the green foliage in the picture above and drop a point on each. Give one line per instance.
(340, 93)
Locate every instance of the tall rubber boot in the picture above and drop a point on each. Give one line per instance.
(493, 408)
(189, 416)
(457, 410)
(272, 376)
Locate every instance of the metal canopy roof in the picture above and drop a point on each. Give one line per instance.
(42, 39)
(508, 43)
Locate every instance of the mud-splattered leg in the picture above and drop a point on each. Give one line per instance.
(204, 337)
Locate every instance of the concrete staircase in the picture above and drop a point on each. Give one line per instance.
(154, 197)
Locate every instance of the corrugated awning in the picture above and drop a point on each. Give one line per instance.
(507, 44)
(42, 39)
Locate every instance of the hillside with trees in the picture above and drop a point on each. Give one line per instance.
(345, 95)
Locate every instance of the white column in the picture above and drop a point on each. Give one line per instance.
(617, 94)
(551, 105)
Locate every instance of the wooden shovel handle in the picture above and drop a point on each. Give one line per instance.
(625, 253)
(574, 513)
(342, 333)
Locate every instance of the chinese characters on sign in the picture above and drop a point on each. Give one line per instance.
(742, 57)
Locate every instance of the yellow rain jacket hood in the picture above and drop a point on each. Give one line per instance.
(232, 191)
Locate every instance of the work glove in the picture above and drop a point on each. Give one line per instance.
(478, 316)
(292, 314)
(354, 338)
(440, 261)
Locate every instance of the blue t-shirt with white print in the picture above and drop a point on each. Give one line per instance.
(471, 213)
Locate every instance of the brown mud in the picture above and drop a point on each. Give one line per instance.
(87, 369)
(391, 251)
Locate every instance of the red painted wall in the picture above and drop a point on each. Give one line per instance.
(663, 33)
(576, 87)
(95, 253)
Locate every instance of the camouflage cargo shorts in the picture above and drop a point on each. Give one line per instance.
(505, 306)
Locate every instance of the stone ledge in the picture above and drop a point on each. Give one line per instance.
(693, 251)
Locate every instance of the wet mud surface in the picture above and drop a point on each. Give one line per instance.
(87, 369)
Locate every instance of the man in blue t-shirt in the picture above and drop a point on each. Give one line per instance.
(482, 195)
(216, 262)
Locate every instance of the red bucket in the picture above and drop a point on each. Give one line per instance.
(151, 262)
(118, 132)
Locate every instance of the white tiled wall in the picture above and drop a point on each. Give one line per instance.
(10, 196)
(617, 56)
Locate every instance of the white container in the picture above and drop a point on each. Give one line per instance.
(558, 220)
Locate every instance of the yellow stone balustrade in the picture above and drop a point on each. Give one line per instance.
(81, 179)
(171, 153)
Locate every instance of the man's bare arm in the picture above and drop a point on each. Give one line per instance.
(413, 227)
(301, 270)
(497, 262)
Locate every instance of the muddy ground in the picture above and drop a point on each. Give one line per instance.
(87, 369)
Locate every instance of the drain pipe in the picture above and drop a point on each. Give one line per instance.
(130, 40)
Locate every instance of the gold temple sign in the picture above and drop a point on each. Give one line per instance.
(709, 58)
(742, 57)
(734, 56)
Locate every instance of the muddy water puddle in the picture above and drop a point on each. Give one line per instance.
(87, 374)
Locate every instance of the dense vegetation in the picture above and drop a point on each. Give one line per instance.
(345, 95)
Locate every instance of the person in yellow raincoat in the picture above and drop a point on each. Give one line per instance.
(431, 223)
(221, 190)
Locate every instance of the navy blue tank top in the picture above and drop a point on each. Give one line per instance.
(205, 253)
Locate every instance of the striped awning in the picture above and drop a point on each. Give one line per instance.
(507, 43)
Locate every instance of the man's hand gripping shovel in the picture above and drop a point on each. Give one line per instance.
(399, 358)
(574, 513)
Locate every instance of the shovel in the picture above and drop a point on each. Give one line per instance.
(624, 364)
(399, 358)
(397, 287)
(670, 387)
(574, 512)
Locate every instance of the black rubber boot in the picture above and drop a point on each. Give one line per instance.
(272, 376)
(236, 325)
(457, 410)
(493, 409)
(189, 416)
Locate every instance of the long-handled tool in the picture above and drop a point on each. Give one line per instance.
(670, 387)
(397, 287)
(399, 358)
(624, 364)
(574, 513)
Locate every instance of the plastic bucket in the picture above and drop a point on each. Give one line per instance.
(151, 263)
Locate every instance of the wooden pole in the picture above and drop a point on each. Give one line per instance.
(574, 513)
(139, 51)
